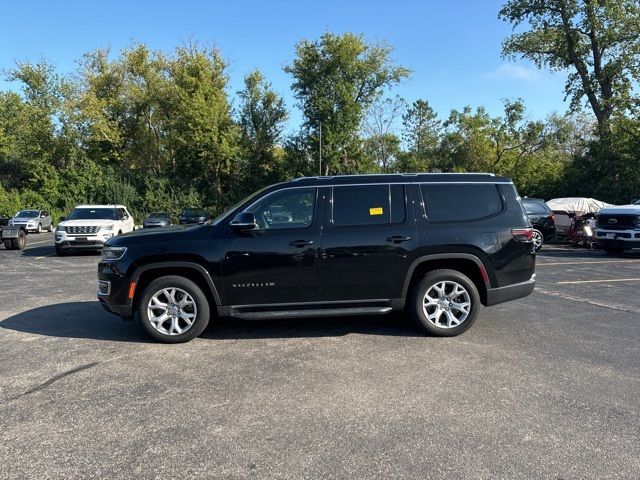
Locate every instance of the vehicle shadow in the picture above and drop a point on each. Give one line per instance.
(39, 251)
(89, 320)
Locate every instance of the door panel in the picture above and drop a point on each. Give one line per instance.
(276, 263)
(366, 261)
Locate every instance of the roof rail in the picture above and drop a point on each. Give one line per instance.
(319, 177)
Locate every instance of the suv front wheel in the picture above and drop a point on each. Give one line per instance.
(173, 309)
(445, 303)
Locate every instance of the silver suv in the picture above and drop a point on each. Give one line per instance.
(32, 220)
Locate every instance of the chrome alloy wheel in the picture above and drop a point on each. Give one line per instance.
(446, 304)
(537, 240)
(172, 311)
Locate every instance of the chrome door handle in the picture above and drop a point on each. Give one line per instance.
(301, 243)
(398, 239)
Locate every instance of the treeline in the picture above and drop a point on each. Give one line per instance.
(160, 131)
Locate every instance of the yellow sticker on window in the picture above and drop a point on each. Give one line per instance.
(376, 211)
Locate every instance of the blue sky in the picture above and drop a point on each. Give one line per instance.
(451, 46)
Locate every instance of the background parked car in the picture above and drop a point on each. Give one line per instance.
(88, 227)
(156, 219)
(32, 220)
(192, 215)
(542, 219)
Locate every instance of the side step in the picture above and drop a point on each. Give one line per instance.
(316, 312)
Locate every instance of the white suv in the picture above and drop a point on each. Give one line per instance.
(618, 228)
(88, 227)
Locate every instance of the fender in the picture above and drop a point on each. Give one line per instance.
(445, 256)
(189, 265)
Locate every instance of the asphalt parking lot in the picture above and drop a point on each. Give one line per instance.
(545, 387)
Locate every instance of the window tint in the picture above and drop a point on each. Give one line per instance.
(398, 208)
(459, 202)
(286, 209)
(536, 208)
(368, 205)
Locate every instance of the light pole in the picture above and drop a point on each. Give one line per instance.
(320, 153)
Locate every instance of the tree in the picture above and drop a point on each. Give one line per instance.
(335, 79)
(262, 116)
(596, 39)
(381, 145)
(421, 133)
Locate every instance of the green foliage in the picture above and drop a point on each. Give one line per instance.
(596, 40)
(335, 79)
(156, 131)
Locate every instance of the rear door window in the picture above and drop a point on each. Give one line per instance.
(535, 208)
(368, 205)
(460, 202)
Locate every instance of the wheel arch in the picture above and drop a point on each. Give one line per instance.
(195, 272)
(466, 263)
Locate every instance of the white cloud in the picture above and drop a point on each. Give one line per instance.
(509, 71)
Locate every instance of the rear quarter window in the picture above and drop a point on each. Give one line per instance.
(461, 202)
(535, 208)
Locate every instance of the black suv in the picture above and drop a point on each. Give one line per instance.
(435, 245)
(542, 219)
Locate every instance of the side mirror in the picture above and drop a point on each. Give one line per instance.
(62, 219)
(244, 221)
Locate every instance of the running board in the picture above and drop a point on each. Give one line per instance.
(316, 312)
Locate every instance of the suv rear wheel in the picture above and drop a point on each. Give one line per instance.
(538, 240)
(445, 303)
(173, 309)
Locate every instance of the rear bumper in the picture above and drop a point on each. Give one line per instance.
(510, 292)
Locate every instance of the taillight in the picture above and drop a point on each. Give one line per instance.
(523, 234)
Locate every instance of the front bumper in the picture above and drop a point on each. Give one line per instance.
(89, 244)
(510, 292)
(618, 243)
(124, 311)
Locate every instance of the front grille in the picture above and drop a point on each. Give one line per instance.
(82, 230)
(616, 222)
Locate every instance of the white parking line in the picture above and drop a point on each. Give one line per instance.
(610, 280)
(587, 262)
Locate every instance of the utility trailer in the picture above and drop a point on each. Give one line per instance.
(13, 238)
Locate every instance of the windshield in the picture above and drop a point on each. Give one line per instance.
(220, 217)
(27, 214)
(93, 214)
(158, 215)
(193, 212)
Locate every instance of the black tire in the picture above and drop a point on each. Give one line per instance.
(201, 303)
(538, 240)
(7, 244)
(432, 279)
(50, 227)
(613, 250)
(20, 242)
(39, 229)
(60, 252)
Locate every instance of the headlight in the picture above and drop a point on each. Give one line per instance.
(31, 223)
(106, 228)
(113, 253)
(637, 221)
(60, 228)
